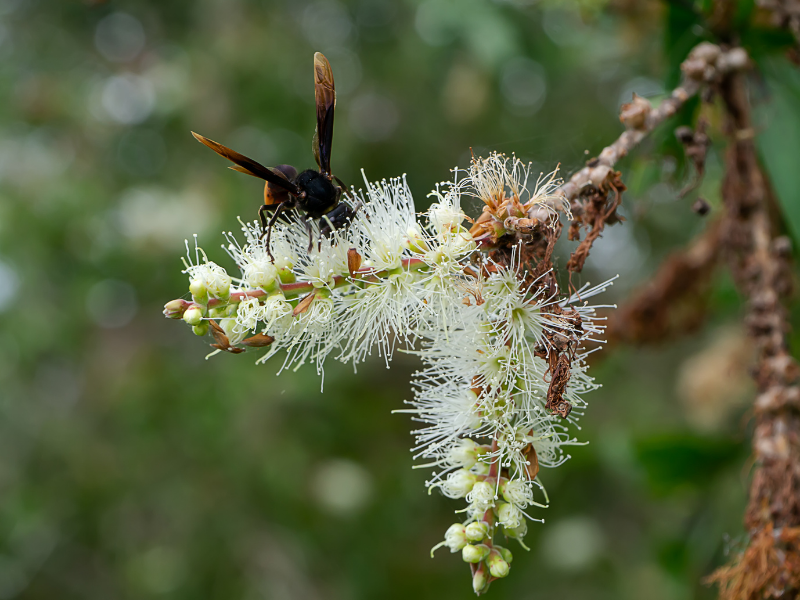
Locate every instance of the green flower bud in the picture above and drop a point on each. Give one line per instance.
(286, 275)
(474, 554)
(497, 566)
(476, 531)
(201, 329)
(231, 309)
(480, 582)
(199, 291)
(193, 316)
(217, 312)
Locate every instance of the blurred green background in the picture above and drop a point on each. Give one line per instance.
(132, 468)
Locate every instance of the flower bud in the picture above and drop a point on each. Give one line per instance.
(174, 309)
(476, 531)
(201, 329)
(193, 316)
(198, 290)
(497, 566)
(474, 554)
(286, 275)
(479, 580)
(506, 554)
(455, 538)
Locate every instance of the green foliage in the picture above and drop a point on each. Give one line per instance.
(680, 461)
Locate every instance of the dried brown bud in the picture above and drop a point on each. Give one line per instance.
(701, 206)
(782, 246)
(684, 134)
(707, 52)
(634, 113)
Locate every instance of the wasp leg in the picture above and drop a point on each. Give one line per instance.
(338, 218)
(310, 230)
(262, 215)
(269, 225)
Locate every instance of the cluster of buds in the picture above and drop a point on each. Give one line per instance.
(504, 367)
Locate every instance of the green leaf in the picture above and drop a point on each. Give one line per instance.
(779, 139)
(681, 460)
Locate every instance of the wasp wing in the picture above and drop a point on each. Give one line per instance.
(325, 95)
(248, 165)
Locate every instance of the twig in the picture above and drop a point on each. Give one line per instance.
(706, 63)
(587, 191)
(770, 565)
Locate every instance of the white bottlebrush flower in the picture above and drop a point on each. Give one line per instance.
(481, 498)
(509, 515)
(490, 329)
(277, 314)
(386, 224)
(464, 453)
(380, 314)
(458, 484)
(210, 275)
(248, 314)
(518, 493)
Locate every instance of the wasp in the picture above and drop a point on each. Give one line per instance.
(318, 194)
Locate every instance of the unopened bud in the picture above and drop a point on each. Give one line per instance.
(476, 531)
(474, 554)
(201, 329)
(506, 554)
(193, 316)
(174, 308)
(497, 566)
(480, 581)
(286, 275)
(198, 290)
(634, 113)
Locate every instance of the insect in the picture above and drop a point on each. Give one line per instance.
(318, 194)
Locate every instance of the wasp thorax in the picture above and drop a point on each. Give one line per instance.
(321, 194)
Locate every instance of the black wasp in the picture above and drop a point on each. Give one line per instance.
(313, 192)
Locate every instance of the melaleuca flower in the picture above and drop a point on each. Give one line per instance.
(387, 224)
(481, 498)
(206, 276)
(509, 515)
(458, 484)
(504, 369)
